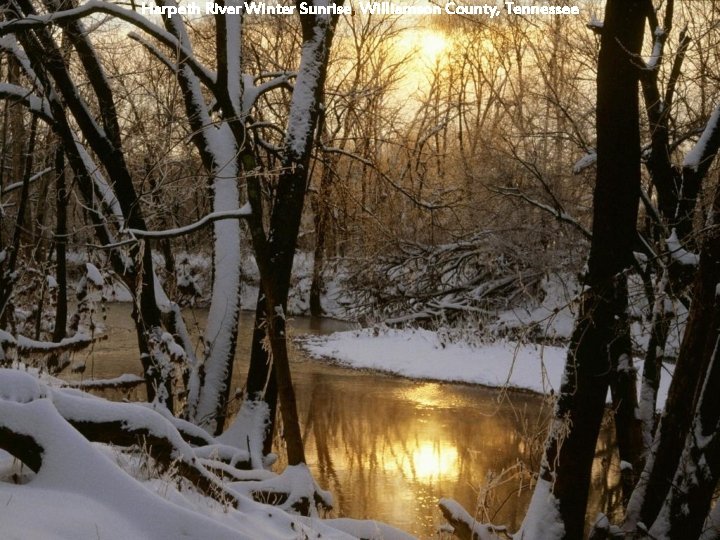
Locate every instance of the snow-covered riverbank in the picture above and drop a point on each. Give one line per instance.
(425, 354)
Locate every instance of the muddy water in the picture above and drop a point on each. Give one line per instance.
(389, 448)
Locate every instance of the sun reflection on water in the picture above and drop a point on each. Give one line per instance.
(432, 460)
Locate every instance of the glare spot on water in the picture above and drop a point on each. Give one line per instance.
(425, 395)
(431, 461)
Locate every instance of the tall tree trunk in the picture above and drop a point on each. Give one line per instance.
(322, 220)
(61, 202)
(261, 382)
(275, 253)
(560, 499)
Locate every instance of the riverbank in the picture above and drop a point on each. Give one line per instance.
(428, 355)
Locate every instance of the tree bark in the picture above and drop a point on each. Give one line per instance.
(598, 340)
(275, 253)
(696, 352)
(261, 382)
(322, 220)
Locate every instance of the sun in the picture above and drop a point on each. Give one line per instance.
(427, 46)
(431, 46)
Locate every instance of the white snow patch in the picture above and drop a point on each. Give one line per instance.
(423, 354)
(680, 254)
(584, 162)
(20, 387)
(419, 353)
(94, 275)
(248, 430)
(656, 54)
(542, 521)
(694, 156)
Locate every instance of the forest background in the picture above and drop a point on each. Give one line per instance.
(434, 174)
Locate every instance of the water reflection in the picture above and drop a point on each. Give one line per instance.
(432, 460)
(389, 448)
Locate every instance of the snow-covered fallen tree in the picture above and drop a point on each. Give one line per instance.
(417, 283)
(160, 477)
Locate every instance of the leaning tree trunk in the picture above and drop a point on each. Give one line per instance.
(48, 61)
(690, 489)
(557, 509)
(692, 364)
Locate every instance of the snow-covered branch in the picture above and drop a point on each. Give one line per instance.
(242, 213)
(464, 525)
(17, 185)
(34, 103)
(588, 160)
(98, 6)
(122, 382)
(707, 146)
(252, 93)
(26, 345)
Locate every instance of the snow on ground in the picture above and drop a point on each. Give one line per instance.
(424, 354)
(552, 318)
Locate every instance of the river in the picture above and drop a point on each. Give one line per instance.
(389, 448)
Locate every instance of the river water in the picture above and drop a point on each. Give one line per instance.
(389, 448)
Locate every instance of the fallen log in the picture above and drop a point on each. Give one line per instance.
(464, 525)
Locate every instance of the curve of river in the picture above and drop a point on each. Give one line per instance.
(389, 448)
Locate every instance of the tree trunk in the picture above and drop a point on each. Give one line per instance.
(322, 219)
(274, 254)
(261, 382)
(61, 202)
(628, 425)
(652, 365)
(692, 365)
(598, 341)
(690, 489)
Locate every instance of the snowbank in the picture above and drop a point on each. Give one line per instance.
(424, 354)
